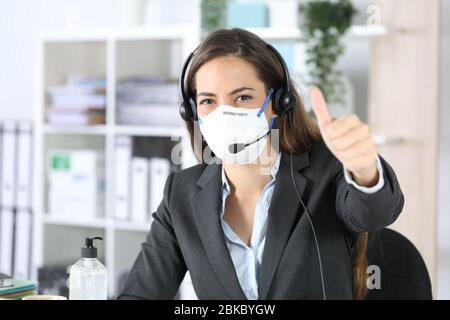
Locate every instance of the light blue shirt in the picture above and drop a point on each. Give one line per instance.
(247, 259)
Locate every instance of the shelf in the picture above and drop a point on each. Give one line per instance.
(130, 33)
(174, 33)
(131, 226)
(112, 53)
(66, 221)
(76, 130)
(131, 130)
(96, 223)
(368, 31)
(295, 33)
(150, 131)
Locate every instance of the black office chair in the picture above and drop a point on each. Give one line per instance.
(403, 271)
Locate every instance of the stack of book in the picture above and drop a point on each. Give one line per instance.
(78, 102)
(148, 101)
(16, 289)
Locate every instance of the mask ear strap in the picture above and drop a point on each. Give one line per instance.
(265, 102)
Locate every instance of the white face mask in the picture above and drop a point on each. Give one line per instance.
(243, 130)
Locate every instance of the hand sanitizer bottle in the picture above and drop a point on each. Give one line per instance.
(88, 277)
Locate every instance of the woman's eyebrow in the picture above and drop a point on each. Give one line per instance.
(209, 94)
(239, 90)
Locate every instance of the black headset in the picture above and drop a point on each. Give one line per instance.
(283, 100)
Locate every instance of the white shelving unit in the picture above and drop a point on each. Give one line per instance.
(294, 34)
(113, 54)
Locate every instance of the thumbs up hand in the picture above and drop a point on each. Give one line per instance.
(349, 140)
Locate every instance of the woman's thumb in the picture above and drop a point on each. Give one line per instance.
(319, 106)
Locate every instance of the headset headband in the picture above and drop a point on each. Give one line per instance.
(183, 73)
(269, 46)
(283, 64)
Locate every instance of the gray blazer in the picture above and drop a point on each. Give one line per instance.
(186, 233)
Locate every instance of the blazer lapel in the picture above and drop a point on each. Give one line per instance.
(283, 213)
(206, 204)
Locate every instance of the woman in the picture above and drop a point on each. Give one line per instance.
(282, 216)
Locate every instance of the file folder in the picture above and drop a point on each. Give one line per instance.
(7, 197)
(122, 177)
(139, 189)
(23, 218)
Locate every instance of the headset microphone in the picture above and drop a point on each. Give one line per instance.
(238, 147)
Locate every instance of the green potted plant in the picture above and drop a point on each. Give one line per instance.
(323, 24)
(213, 14)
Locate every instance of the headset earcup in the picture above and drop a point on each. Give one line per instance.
(276, 107)
(185, 111)
(283, 102)
(288, 102)
(193, 107)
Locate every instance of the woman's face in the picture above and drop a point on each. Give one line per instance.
(232, 81)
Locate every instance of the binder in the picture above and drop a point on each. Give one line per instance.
(7, 187)
(159, 169)
(23, 185)
(22, 245)
(122, 159)
(73, 184)
(23, 218)
(6, 240)
(139, 189)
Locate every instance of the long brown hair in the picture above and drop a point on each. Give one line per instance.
(248, 46)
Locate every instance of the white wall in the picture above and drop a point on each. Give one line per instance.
(21, 20)
(443, 226)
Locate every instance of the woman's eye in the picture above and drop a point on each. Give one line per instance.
(244, 98)
(207, 101)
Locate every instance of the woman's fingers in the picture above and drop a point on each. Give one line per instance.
(347, 138)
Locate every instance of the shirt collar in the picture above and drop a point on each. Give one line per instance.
(273, 173)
